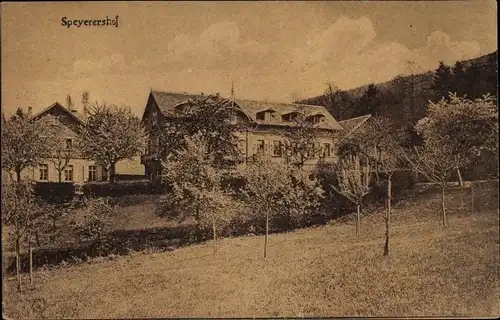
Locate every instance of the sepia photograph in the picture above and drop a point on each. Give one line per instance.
(249, 159)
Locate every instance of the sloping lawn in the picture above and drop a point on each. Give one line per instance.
(324, 271)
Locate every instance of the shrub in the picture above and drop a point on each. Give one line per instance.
(289, 195)
(94, 221)
(196, 190)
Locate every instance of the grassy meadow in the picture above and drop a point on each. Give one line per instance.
(320, 271)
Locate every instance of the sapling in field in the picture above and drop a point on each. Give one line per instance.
(274, 190)
(353, 182)
(21, 213)
(196, 190)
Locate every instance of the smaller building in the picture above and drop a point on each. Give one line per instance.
(78, 170)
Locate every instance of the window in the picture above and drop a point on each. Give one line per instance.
(317, 118)
(233, 119)
(52, 120)
(242, 145)
(69, 143)
(260, 146)
(276, 148)
(92, 173)
(44, 172)
(290, 116)
(154, 118)
(267, 115)
(68, 173)
(311, 150)
(326, 150)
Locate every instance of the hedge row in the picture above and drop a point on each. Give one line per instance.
(63, 192)
(122, 188)
(55, 192)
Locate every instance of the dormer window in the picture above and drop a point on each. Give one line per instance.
(266, 115)
(291, 116)
(233, 118)
(316, 118)
(69, 143)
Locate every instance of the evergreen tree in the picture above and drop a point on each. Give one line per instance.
(459, 79)
(476, 84)
(369, 102)
(442, 81)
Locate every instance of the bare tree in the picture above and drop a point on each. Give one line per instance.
(436, 162)
(111, 134)
(25, 143)
(274, 190)
(196, 188)
(61, 151)
(300, 139)
(353, 182)
(21, 213)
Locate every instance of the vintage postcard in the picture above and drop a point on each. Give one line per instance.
(245, 159)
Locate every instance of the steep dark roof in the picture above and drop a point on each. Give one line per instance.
(167, 101)
(76, 115)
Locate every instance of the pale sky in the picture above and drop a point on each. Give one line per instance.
(274, 51)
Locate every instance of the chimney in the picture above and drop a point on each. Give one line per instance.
(30, 110)
(85, 112)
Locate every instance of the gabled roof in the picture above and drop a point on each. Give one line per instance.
(78, 117)
(167, 101)
(351, 125)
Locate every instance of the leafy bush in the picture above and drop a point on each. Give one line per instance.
(94, 220)
(196, 190)
(287, 195)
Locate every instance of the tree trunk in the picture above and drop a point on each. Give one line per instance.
(59, 175)
(443, 208)
(214, 230)
(112, 172)
(461, 184)
(265, 237)
(472, 198)
(18, 175)
(358, 221)
(18, 264)
(460, 181)
(388, 216)
(31, 262)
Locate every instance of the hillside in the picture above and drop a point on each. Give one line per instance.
(322, 271)
(396, 97)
